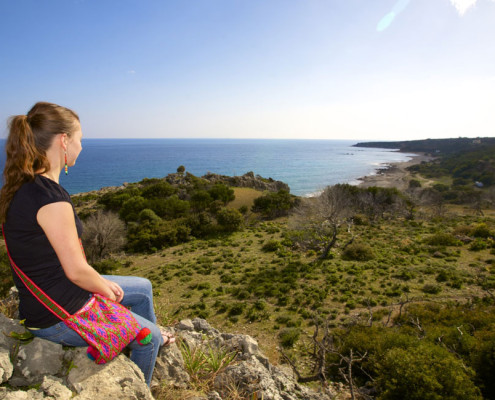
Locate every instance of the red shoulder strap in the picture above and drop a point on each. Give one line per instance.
(35, 290)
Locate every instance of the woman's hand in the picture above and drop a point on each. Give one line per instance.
(116, 290)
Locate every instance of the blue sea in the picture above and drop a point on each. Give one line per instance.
(307, 166)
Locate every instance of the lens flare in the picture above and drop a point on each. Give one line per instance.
(387, 20)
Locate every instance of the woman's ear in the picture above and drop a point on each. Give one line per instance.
(63, 140)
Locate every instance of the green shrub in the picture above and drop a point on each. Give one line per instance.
(481, 231)
(414, 183)
(431, 289)
(222, 192)
(289, 336)
(6, 281)
(132, 207)
(200, 200)
(236, 309)
(148, 215)
(271, 245)
(358, 252)
(107, 266)
(442, 239)
(272, 205)
(160, 189)
(229, 219)
(360, 219)
(427, 372)
(478, 244)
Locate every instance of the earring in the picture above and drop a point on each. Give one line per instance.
(66, 169)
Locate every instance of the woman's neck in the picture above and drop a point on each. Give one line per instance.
(51, 175)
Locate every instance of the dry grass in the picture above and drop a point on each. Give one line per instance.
(244, 197)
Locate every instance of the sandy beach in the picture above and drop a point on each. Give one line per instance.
(394, 174)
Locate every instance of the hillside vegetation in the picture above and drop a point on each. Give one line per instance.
(389, 292)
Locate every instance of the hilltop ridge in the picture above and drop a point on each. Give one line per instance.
(452, 145)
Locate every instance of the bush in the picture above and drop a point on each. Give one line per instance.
(148, 215)
(289, 336)
(414, 183)
(6, 281)
(222, 192)
(481, 231)
(229, 219)
(131, 208)
(431, 289)
(236, 309)
(161, 189)
(272, 205)
(427, 372)
(107, 266)
(442, 239)
(358, 252)
(271, 245)
(478, 244)
(103, 234)
(200, 200)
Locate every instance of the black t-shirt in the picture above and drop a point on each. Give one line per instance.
(35, 256)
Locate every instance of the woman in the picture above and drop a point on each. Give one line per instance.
(42, 232)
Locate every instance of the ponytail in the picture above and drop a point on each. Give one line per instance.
(29, 138)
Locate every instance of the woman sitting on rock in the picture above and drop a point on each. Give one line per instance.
(42, 232)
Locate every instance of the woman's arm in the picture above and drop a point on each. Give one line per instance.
(57, 221)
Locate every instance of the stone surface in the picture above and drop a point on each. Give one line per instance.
(64, 374)
(118, 379)
(6, 367)
(53, 388)
(185, 325)
(31, 394)
(35, 360)
(170, 367)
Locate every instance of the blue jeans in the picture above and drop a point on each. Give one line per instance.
(138, 295)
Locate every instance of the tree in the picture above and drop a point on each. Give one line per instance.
(222, 192)
(273, 205)
(181, 169)
(229, 219)
(200, 200)
(104, 233)
(375, 201)
(318, 219)
(435, 200)
(132, 207)
(161, 189)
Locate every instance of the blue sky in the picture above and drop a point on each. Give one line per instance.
(307, 69)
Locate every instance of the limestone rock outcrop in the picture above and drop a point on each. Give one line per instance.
(62, 373)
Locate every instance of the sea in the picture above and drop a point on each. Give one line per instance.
(307, 166)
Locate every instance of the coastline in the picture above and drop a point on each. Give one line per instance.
(393, 175)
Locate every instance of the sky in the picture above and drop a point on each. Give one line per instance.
(283, 69)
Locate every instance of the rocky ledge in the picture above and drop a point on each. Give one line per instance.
(248, 180)
(44, 370)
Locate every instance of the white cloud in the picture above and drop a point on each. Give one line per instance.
(131, 72)
(463, 5)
